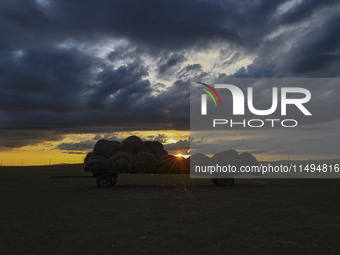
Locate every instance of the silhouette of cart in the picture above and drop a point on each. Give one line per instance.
(106, 178)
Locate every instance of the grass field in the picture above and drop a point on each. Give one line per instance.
(165, 214)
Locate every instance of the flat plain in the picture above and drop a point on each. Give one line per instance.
(165, 214)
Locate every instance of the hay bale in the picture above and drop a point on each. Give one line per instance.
(167, 163)
(121, 162)
(184, 165)
(145, 162)
(162, 153)
(246, 159)
(199, 159)
(98, 147)
(156, 148)
(88, 156)
(106, 148)
(153, 144)
(172, 164)
(97, 162)
(132, 145)
(111, 148)
(226, 157)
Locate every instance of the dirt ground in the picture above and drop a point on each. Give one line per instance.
(164, 214)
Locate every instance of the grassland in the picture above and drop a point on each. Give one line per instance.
(164, 214)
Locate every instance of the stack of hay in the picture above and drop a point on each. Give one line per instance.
(224, 158)
(132, 154)
(173, 164)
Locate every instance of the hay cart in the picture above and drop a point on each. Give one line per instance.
(106, 178)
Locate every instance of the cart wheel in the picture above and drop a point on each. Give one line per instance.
(226, 182)
(215, 181)
(104, 181)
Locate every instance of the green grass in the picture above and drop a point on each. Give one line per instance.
(164, 214)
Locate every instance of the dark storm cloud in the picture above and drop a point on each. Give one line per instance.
(191, 72)
(181, 145)
(69, 91)
(170, 24)
(50, 78)
(314, 48)
(168, 66)
(162, 138)
(19, 138)
(304, 10)
(86, 145)
(44, 80)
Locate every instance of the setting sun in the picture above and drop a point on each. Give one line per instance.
(179, 155)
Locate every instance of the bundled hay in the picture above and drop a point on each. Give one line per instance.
(88, 156)
(246, 159)
(184, 165)
(172, 164)
(121, 162)
(106, 148)
(145, 162)
(98, 148)
(167, 163)
(111, 148)
(226, 157)
(97, 162)
(132, 145)
(153, 144)
(199, 159)
(156, 148)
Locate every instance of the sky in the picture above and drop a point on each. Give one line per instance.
(73, 72)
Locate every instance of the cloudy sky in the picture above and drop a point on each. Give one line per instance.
(72, 72)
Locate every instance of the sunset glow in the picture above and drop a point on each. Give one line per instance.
(179, 155)
(71, 150)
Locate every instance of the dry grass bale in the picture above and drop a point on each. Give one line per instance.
(156, 148)
(246, 159)
(111, 148)
(133, 145)
(162, 153)
(97, 162)
(226, 157)
(122, 162)
(188, 161)
(88, 156)
(106, 148)
(99, 147)
(172, 164)
(168, 163)
(153, 144)
(145, 162)
(199, 159)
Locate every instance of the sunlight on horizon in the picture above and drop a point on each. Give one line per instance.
(46, 153)
(179, 155)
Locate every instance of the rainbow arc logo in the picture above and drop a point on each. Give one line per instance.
(209, 93)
